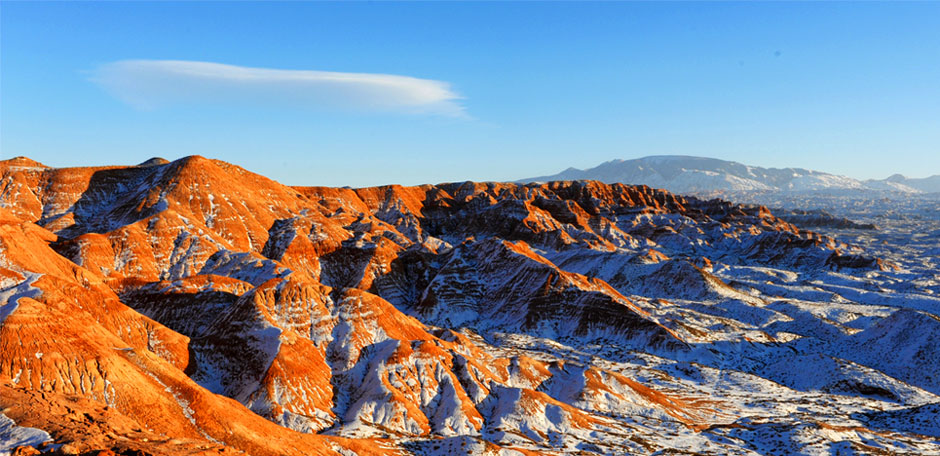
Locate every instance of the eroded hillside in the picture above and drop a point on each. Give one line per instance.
(193, 307)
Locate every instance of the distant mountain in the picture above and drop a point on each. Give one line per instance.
(686, 174)
(926, 184)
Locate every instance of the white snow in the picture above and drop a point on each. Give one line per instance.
(12, 436)
(10, 294)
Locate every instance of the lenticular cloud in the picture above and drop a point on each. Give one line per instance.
(148, 84)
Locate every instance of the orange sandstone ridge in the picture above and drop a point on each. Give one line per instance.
(193, 307)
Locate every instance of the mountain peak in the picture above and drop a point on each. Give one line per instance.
(691, 174)
(22, 162)
(155, 161)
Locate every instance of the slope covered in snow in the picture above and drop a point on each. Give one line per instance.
(690, 175)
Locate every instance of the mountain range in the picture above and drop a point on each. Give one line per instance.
(194, 307)
(687, 174)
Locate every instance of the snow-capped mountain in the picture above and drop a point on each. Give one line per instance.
(927, 184)
(193, 307)
(686, 174)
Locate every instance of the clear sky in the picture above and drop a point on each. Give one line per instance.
(408, 93)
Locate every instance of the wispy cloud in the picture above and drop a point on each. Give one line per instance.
(149, 84)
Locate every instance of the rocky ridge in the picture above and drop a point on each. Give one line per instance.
(193, 307)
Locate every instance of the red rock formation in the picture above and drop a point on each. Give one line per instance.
(194, 307)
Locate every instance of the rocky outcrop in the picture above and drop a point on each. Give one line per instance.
(198, 305)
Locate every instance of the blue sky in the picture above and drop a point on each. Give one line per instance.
(433, 92)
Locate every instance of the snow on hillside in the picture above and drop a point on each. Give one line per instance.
(12, 436)
(687, 174)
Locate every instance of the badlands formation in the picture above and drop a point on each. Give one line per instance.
(193, 307)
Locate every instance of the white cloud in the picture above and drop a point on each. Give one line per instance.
(148, 84)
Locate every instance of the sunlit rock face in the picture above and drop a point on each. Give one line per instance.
(193, 307)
